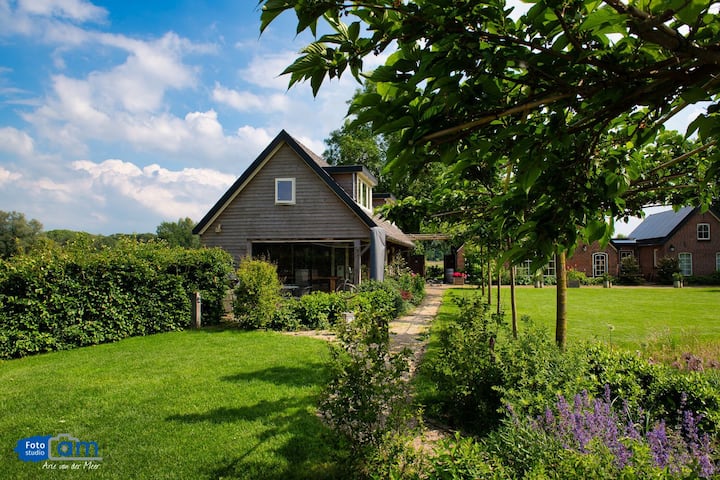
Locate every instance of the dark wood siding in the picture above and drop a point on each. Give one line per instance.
(346, 182)
(318, 213)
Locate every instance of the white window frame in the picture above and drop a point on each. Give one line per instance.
(279, 201)
(717, 262)
(364, 193)
(686, 266)
(703, 231)
(596, 264)
(523, 268)
(550, 269)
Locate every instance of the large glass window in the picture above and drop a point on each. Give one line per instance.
(285, 190)
(685, 263)
(703, 231)
(600, 264)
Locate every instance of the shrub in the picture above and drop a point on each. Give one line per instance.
(666, 268)
(534, 370)
(59, 298)
(383, 298)
(630, 273)
(464, 369)
(286, 316)
(319, 310)
(367, 398)
(257, 293)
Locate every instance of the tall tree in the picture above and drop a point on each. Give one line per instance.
(17, 234)
(179, 234)
(560, 100)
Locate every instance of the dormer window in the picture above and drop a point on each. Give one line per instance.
(703, 231)
(285, 191)
(364, 193)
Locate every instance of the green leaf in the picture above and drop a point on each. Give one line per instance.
(694, 95)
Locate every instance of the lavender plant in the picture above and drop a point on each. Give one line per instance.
(589, 425)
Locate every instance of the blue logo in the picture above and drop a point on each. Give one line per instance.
(62, 447)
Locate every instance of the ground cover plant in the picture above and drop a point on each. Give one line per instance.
(592, 411)
(210, 403)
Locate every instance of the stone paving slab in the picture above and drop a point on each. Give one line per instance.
(411, 331)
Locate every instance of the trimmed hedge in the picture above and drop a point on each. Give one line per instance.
(60, 298)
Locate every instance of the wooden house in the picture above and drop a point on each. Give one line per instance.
(314, 220)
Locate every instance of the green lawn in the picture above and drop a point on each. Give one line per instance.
(630, 317)
(197, 404)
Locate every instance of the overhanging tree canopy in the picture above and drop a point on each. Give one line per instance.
(557, 101)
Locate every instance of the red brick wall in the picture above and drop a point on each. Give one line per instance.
(582, 259)
(703, 251)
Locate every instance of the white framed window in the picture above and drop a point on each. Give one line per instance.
(364, 193)
(550, 268)
(523, 268)
(717, 261)
(703, 231)
(285, 191)
(625, 254)
(685, 263)
(600, 264)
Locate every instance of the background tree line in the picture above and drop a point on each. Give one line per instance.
(18, 235)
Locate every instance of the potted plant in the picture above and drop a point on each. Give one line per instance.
(677, 280)
(459, 278)
(607, 280)
(538, 279)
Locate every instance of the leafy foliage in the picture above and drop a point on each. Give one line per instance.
(257, 293)
(367, 398)
(58, 298)
(17, 234)
(179, 234)
(465, 369)
(630, 273)
(668, 267)
(541, 121)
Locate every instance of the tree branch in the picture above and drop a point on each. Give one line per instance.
(524, 107)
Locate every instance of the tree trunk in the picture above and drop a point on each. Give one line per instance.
(489, 279)
(499, 281)
(482, 278)
(561, 312)
(513, 307)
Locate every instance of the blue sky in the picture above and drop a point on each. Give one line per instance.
(118, 115)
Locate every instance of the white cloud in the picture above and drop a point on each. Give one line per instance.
(248, 102)
(6, 176)
(256, 139)
(16, 142)
(169, 194)
(75, 10)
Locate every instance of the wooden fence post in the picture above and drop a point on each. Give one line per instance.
(196, 309)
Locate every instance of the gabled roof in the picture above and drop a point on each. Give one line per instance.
(661, 225)
(320, 167)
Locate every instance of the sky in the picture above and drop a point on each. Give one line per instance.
(116, 116)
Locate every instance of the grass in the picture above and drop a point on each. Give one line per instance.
(630, 317)
(197, 404)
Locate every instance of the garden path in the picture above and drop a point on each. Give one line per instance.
(411, 331)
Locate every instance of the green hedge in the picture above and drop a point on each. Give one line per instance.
(59, 298)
